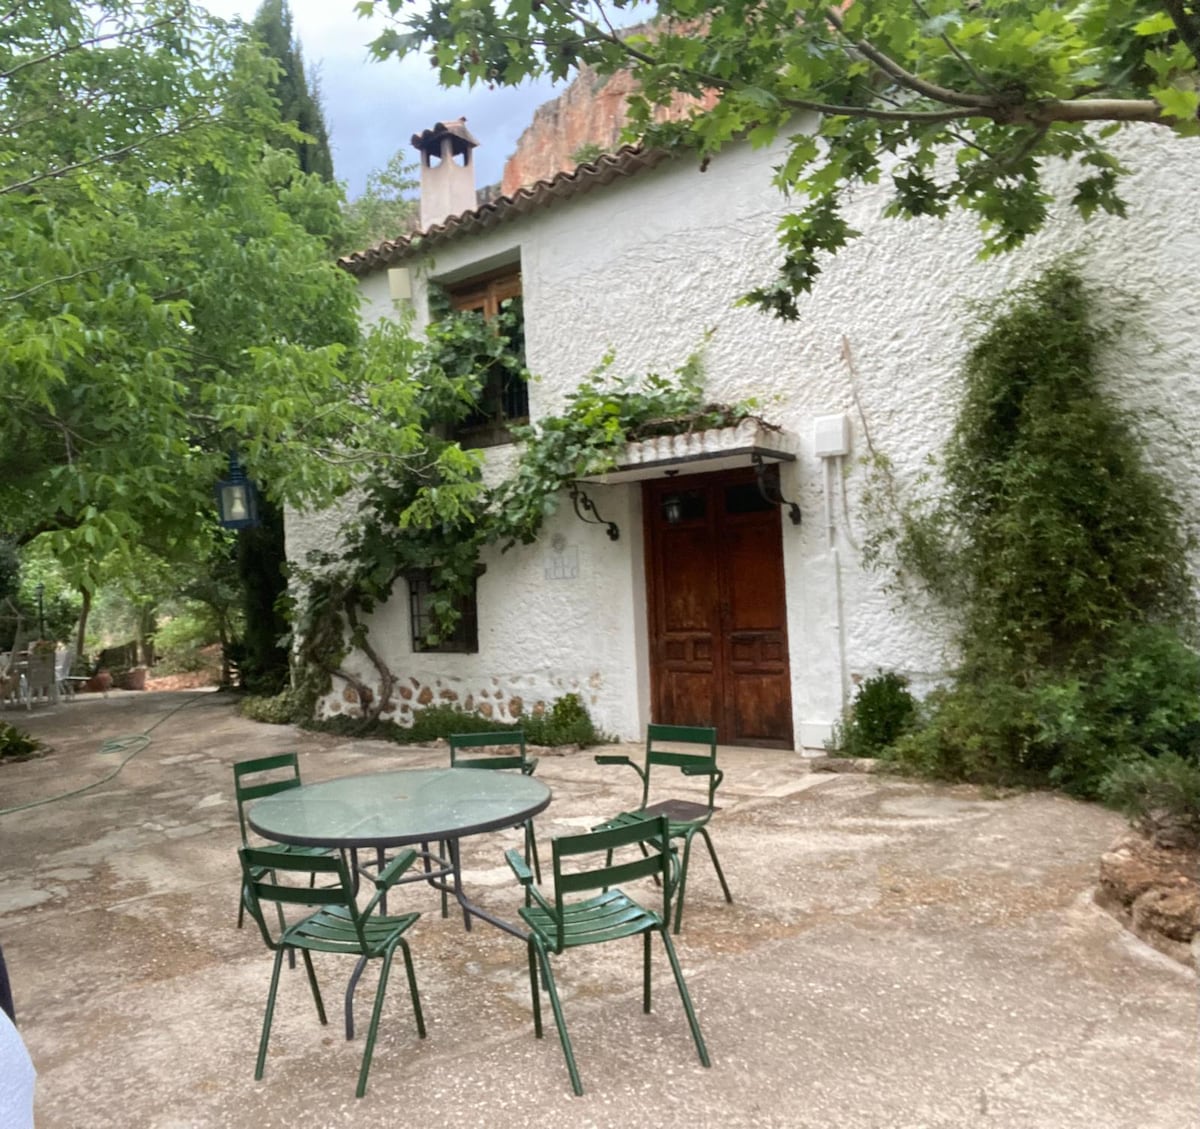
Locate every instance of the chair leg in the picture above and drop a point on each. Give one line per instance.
(270, 1012)
(559, 1021)
(693, 1023)
(312, 983)
(531, 852)
(682, 887)
(646, 972)
(369, 1049)
(412, 986)
(534, 991)
(712, 854)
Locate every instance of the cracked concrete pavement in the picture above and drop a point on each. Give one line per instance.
(898, 955)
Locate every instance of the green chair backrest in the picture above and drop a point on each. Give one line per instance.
(603, 873)
(509, 737)
(285, 768)
(699, 763)
(261, 870)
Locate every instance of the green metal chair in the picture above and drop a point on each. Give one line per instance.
(463, 743)
(558, 925)
(339, 926)
(266, 776)
(688, 818)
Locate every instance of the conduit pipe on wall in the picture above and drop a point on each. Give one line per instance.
(832, 444)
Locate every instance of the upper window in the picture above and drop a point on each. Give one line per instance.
(504, 397)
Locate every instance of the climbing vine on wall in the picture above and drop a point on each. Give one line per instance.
(1063, 556)
(435, 515)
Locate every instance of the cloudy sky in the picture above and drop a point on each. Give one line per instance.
(373, 109)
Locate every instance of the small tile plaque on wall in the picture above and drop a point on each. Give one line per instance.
(563, 564)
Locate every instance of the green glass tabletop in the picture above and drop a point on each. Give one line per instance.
(390, 809)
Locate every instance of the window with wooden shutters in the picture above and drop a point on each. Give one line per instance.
(504, 397)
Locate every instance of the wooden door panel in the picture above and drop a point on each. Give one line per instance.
(760, 712)
(758, 651)
(717, 609)
(685, 697)
(755, 578)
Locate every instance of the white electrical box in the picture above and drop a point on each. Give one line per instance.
(400, 284)
(831, 435)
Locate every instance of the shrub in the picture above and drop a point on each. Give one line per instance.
(16, 744)
(883, 710)
(278, 709)
(567, 722)
(1063, 556)
(1161, 795)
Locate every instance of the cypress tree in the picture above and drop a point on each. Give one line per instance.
(299, 99)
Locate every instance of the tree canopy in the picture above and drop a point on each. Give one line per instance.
(168, 293)
(956, 104)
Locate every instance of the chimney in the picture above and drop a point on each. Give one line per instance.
(447, 171)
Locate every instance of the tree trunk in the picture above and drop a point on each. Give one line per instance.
(84, 612)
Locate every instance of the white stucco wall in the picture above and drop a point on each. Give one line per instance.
(647, 266)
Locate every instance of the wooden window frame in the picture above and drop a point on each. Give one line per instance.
(486, 295)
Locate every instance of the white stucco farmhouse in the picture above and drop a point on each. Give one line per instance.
(711, 600)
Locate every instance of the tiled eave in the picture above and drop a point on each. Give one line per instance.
(625, 162)
(700, 452)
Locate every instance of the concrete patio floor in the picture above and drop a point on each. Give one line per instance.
(898, 955)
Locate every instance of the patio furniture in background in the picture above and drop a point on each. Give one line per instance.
(66, 683)
(40, 682)
(687, 817)
(509, 739)
(611, 915)
(339, 926)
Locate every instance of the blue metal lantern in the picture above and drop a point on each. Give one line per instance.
(237, 500)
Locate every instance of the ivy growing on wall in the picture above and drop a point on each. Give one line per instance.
(435, 515)
(1063, 558)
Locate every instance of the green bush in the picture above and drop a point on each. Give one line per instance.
(1062, 556)
(1161, 795)
(567, 722)
(277, 709)
(883, 710)
(16, 744)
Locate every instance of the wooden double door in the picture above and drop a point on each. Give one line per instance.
(717, 608)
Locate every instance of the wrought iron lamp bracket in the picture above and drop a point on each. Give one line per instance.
(770, 490)
(585, 510)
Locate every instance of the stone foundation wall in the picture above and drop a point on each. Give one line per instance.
(505, 705)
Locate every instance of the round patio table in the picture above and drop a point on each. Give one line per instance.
(393, 809)
(421, 806)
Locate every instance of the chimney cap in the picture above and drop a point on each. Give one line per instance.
(430, 141)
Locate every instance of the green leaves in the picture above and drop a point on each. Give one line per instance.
(1005, 87)
(169, 292)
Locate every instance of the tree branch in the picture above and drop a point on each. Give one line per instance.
(102, 158)
(62, 278)
(907, 79)
(81, 44)
(953, 47)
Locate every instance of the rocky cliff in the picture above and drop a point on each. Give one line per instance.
(587, 117)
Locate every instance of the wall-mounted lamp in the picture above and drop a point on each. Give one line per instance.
(672, 506)
(237, 499)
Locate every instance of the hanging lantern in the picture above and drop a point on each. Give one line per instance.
(237, 500)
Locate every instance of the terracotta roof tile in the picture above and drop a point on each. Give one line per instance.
(625, 162)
